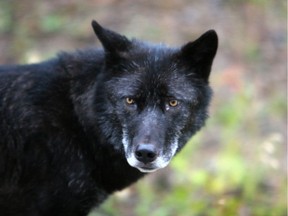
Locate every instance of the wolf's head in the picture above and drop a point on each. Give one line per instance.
(156, 97)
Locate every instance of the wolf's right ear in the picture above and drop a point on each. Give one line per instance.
(112, 42)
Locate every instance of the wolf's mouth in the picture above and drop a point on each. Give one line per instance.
(147, 169)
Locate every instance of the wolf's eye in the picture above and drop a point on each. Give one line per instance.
(130, 101)
(173, 103)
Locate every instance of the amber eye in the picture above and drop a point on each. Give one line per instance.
(173, 103)
(130, 101)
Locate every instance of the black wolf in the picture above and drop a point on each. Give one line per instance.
(78, 127)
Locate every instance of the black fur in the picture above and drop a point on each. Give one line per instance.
(61, 150)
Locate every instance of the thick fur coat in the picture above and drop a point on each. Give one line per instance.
(78, 127)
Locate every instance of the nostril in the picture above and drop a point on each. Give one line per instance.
(139, 154)
(146, 153)
(151, 155)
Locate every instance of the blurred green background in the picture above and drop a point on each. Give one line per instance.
(237, 165)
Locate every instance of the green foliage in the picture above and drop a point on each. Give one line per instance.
(5, 15)
(52, 23)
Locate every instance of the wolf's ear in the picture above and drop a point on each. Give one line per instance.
(200, 53)
(112, 42)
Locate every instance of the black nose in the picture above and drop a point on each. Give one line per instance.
(146, 153)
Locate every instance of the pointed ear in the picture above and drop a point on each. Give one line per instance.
(200, 53)
(112, 42)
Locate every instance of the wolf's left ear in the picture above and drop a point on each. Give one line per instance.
(200, 53)
(112, 42)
